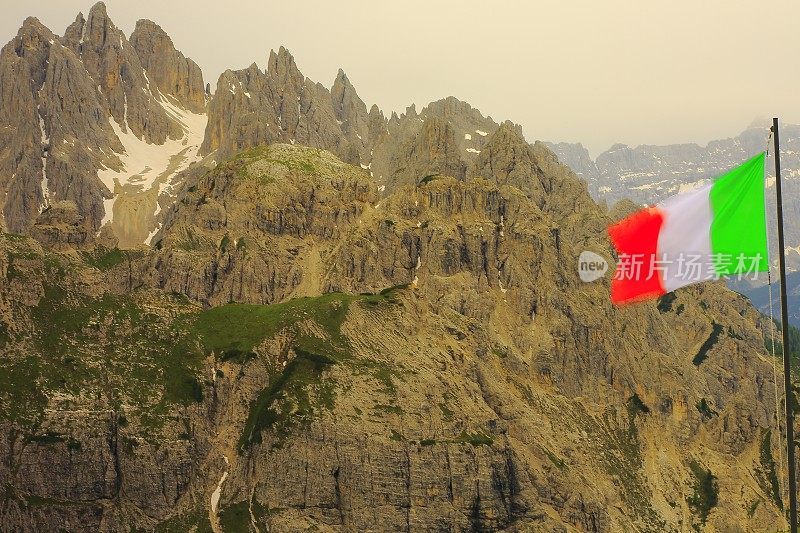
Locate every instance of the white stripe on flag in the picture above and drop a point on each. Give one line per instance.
(686, 236)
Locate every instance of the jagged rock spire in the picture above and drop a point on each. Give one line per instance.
(172, 72)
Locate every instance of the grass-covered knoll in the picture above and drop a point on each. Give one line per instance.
(106, 259)
(239, 328)
(234, 329)
(267, 163)
(313, 325)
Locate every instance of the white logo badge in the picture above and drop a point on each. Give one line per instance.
(591, 266)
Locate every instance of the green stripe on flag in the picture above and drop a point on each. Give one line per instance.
(738, 226)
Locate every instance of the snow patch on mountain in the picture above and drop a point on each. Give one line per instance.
(146, 165)
(45, 148)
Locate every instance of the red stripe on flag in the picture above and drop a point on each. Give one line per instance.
(636, 239)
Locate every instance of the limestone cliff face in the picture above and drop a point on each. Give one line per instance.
(446, 138)
(62, 227)
(219, 248)
(420, 361)
(431, 150)
(47, 107)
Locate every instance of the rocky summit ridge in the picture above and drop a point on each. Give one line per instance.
(342, 322)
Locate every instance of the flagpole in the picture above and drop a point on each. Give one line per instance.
(787, 356)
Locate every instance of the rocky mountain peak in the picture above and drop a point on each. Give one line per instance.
(345, 97)
(115, 67)
(618, 146)
(84, 105)
(352, 113)
(377, 127)
(505, 135)
(281, 66)
(453, 108)
(98, 27)
(509, 159)
(32, 26)
(47, 102)
(252, 107)
(98, 9)
(431, 150)
(74, 31)
(575, 156)
(172, 73)
(32, 44)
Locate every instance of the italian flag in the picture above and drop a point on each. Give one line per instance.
(713, 231)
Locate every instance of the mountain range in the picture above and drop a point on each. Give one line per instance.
(115, 124)
(269, 307)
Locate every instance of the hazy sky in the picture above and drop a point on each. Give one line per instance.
(598, 72)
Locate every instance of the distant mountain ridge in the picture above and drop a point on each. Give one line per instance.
(646, 174)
